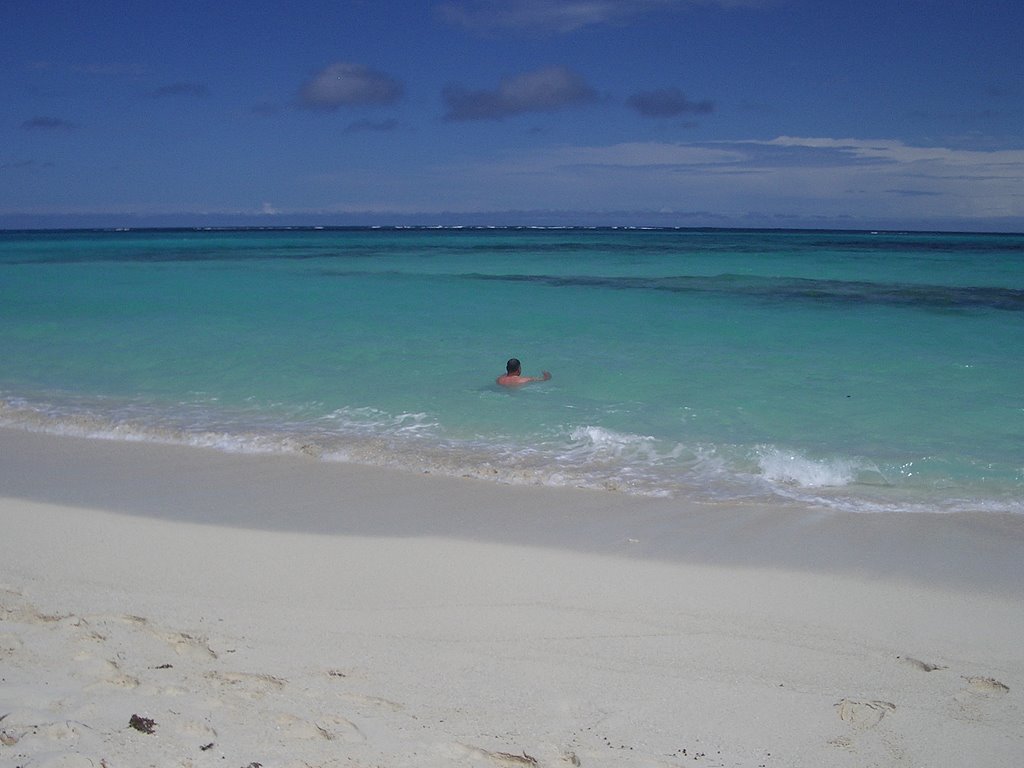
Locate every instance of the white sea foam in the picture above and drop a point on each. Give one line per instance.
(605, 442)
(373, 421)
(584, 456)
(600, 443)
(791, 468)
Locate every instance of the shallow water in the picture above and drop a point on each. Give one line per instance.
(864, 371)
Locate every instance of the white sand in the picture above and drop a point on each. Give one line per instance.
(283, 612)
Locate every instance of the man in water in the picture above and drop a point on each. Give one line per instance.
(513, 376)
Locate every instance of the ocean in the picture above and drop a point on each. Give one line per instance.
(863, 371)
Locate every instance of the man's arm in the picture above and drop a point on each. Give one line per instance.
(543, 377)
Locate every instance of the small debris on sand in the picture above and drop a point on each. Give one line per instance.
(143, 724)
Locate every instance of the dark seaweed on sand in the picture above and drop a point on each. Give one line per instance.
(143, 724)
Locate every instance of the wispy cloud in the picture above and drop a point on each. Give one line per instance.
(668, 102)
(644, 154)
(888, 158)
(811, 177)
(542, 90)
(180, 89)
(46, 123)
(560, 16)
(539, 15)
(344, 84)
(897, 153)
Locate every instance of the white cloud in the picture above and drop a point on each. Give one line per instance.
(560, 16)
(979, 163)
(541, 90)
(543, 15)
(856, 179)
(642, 154)
(345, 84)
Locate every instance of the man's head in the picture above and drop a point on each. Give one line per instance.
(512, 367)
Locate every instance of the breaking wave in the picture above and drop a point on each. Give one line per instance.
(581, 456)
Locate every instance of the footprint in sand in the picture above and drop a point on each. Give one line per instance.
(196, 730)
(114, 681)
(251, 685)
(67, 761)
(10, 734)
(986, 685)
(503, 759)
(372, 702)
(186, 645)
(924, 666)
(863, 714)
(978, 698)
(10, 644)
(328, 727)
(28, 614)
(338, 728)
(101, 672)
(66, 730)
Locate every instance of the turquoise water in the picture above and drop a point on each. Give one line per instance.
(862, 371)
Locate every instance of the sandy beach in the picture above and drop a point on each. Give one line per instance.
(169, 606)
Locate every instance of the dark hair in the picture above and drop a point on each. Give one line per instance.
(512, 366)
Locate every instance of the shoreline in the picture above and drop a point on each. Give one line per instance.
(784, 478)
(296, 613)
(298, 494)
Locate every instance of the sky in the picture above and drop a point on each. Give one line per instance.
(894, 114)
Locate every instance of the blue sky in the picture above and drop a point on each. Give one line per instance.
(782, 113)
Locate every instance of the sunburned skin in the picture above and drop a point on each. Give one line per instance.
(517, 381)
(513, 377)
